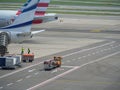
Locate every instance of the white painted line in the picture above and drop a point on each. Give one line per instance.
(69, 71)
(1, 87)
(60, 69)
(79, 57)
(36, 73)
(19, 80)
(54, 71)
(52, 79)
(105, 49)
(88, 49)
(83, 56)
(100, 59)
(111, 45)
(69, 66)
(31, 70)
(28, 76)
(9, 84)
(89, 55)
(6, 75)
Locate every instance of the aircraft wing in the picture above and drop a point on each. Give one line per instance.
(38, 31)
(43, 19)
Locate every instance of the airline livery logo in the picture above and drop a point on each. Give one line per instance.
(21, 9)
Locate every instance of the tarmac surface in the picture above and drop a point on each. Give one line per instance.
(90, 47)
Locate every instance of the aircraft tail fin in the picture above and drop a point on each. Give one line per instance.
(42, 7)
(24, 20)
(41, 10)
(20, 10)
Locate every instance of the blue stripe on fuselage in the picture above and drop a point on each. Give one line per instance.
(28, 1)
(25, 23)
(29, 8)
(19, 25)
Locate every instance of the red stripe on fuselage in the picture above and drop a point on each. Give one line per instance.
(42, 5)
(37, 21)
(40, 13)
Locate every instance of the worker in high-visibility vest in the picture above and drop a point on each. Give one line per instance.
(22, 50)
(28, 51)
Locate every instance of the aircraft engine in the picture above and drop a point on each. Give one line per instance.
(18, 37)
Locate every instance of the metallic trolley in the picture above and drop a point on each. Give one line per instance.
(54, 63)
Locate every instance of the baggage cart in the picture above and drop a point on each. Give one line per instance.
(28, 57)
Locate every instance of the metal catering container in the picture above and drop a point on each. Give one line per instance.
(10, 61)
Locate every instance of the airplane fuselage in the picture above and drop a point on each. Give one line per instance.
(8, 16)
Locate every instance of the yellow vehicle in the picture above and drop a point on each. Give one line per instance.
(58, 61)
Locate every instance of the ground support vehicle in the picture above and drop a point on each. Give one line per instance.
(27, 57)
(51, 64)
(10, 62)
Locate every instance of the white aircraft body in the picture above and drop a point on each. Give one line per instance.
(8, 16)
(20, 29)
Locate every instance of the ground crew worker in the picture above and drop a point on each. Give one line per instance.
(28, 51)
(22, 50)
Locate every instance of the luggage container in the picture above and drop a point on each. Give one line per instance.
(18, 61)
(10, 62)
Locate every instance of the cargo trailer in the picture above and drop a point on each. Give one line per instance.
(10, 62)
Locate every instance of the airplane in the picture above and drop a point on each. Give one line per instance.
(8, 16)
(20, 29)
